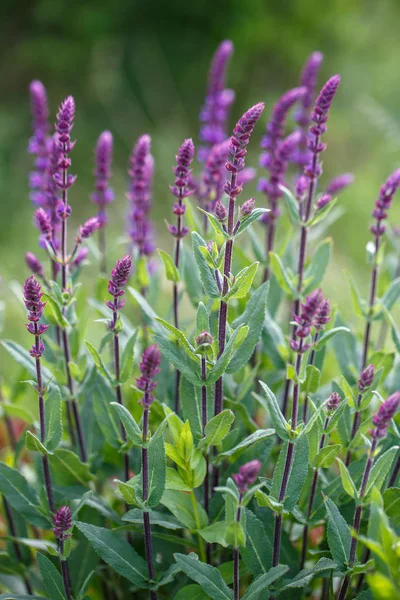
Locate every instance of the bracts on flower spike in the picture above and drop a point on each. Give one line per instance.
(181, 189)
(34, 305)
(381, 422)
(103, 194)
(62, 526)
(119, 278)
(149, 368)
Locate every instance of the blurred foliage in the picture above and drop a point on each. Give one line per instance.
(141, 66)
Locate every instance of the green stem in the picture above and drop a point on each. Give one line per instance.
(197, 519)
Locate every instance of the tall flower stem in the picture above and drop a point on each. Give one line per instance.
(118, 391)
(145, 486)
(236, 587)
(204, 420)
(176, 291)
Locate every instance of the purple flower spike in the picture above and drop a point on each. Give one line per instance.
(220, 211)
(103, 193)
(322, 316)
(140, 196)
(62, 523)
(80, 256)
(305, 319)
(247, 207)
(247, 475)
(34, 264)
(119, 278)
(333, 401)
(88, 229)
(43, 223)
(40, 143)
(276, 125)
(65, 123)
(384, 202)
(339, 183)
(323, 104)
(323, 201)
(149, 367)
(34, 305)
(385, 414)
(366, 378)
(213, 174)
(214, 114)
(182, 187)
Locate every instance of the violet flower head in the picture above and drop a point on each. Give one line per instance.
(214, 114)
(213, 173)
(385, 414)
(34, 305)
(119, 278)
(40, 143)
(238, 146)
(366, 378)
(247, 207)
(247, 475)
(384, 202)
(323, 201)
(88, 228)
(323, 104)
(182, 187)
(64, 125)
(220, 211)
(141, 171)
(80, 256)
(339, 183)
(322, 315)
(333, 401)
(277, 123)
(34, 264)
(149, 368)
(204, 338)
(103, 193)
(62, 523)
(305, 319)
(43, 223)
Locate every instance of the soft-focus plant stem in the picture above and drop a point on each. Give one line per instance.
(288, 462)
(357, 518)
(145, 487)
(176, 294)
(311, 500)
(302, 254)
(64, 571)
(45, 458)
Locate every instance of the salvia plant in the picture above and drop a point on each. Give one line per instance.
(220, 430)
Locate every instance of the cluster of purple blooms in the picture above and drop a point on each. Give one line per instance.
(314, 312)
(366, 378)
(333, 401)
(103, 194)
(34, 305)
(119, 278)
(149, 367)
(385, 414)
(247, 475)
(141, 171)
(182, 187)
(62, 523)
(384, 202)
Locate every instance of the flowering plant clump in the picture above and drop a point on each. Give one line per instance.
(208, 424)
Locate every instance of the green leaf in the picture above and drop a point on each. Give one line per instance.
(313, 376)
(253, 317)
(179, 358)
(116, 552)
(180, 337)
(106, 418)
(127, 358)
(242, 284)
(303, 578)
(180, 504)
(257, 553)
(53, 418)
(174, 481)
(321, 214)
(263, 582)
(318, 266)
(33, 444)
(157, 470)
(391, 499)
(298, 473)
(358, 302)
(253, 216)
(131, 427)
(171, 271)
(237, 337)
(24, 359)
(53, 312)
(329, 334)
(21, 496)
(380, 469)
(392, 294)
(271, 406)
(206, 274)
(85, 584)
(67, 467)
(194, 592)
(284, 279)
(202, 319)
(253, 438)
(217, 429)
(292, 205)
(326, 456)
(52, 579)
(339, 537)
(215, 533)
(216, 225)
(157, 518)
(347, 481)
(98, 361)
(208, 577)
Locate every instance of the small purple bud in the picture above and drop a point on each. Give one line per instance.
(88, 229)
(339, 183)
(322, 316)
(301, 187)
(366, 378)
(220, 211)
(247, 207)
(323, 201)
(333, 401)
(32, 299)
(385, 414)
(62, 523)
(34, 264)
(149, 367)
(43, 223)
(247, 475)
(204, 338)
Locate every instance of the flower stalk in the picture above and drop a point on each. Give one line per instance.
(62, 524)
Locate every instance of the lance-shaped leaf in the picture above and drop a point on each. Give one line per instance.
(270, 404)
(53, 418)
(339, 537)
(21, 496)
(131, 427)
(263, 582)
(253, 216)
(257, 553)
(330, 334)
(180, 337)
(292, 205)
(26, 361)
(347, 480)
(181, 361)
(51, 578)
(298, 473)
(216, 225)
(127, 358)
(253, 438)
(217, 429)
(146, 308)
(380, 469)
(98, 361)
(321, 214)
(282, 275)
(318, 265)
(302, 579)
(208, 577)
(241, 286)
(234, 342)
(326, 456)
(207, 275)
(33, 444)
(181, 506)
(171, 272)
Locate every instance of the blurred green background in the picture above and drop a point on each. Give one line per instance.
(136, 67)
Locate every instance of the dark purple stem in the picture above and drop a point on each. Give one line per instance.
(311, 500)
(236, 587)
(118, 387)
(310, 362)
(102, 247)
(45, 459)
(65, 573)
(357, 519)
(288, 462)
(176, 296)
(302, 253)
(145, 487)
(270, 237)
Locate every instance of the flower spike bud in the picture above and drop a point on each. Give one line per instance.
(34, 264)
(149, 367)
(247, 475)
(366, 378)
(62, 523)
(385, 414)
(333, 401)
(339, 183)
